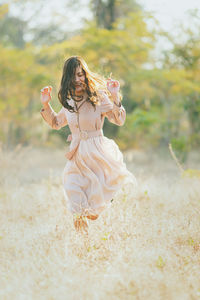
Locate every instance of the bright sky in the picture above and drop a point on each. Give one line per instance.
(168, 12)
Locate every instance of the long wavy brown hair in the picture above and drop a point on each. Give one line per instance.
(94, 82)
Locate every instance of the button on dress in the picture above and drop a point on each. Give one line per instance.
(95, 169)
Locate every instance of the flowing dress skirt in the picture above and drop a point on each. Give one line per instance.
(93, 176)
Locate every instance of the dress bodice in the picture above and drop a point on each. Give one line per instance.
(87, 118)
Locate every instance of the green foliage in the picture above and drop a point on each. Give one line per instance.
(12, 31)
(160, 263)
(181, 147)
(4, 8)
(191, 173)
(21, 79)
(141, 127)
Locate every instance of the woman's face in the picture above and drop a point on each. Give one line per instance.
(79, 81)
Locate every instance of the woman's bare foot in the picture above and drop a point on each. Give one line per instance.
(80, 224)
(92, 217)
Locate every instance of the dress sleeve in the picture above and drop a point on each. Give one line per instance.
(55, 120)
(116, 114)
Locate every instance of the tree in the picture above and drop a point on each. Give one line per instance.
(106, 12)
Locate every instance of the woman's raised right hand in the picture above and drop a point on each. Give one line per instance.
(46, 94)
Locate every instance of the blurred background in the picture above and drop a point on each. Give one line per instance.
(147, 244)
(152, 47)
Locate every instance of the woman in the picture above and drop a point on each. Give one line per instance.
(95, 170)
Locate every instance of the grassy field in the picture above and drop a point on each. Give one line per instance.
(146, 246)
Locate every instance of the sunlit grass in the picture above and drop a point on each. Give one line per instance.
(145, 246)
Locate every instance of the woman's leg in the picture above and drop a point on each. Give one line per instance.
(92, 217)
(80, 224)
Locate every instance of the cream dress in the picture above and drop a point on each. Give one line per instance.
(95, 169)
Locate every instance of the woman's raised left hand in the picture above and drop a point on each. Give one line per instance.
(113, 86)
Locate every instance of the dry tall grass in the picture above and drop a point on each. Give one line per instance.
(145, 246)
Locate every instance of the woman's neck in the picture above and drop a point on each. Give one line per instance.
(79, 98)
